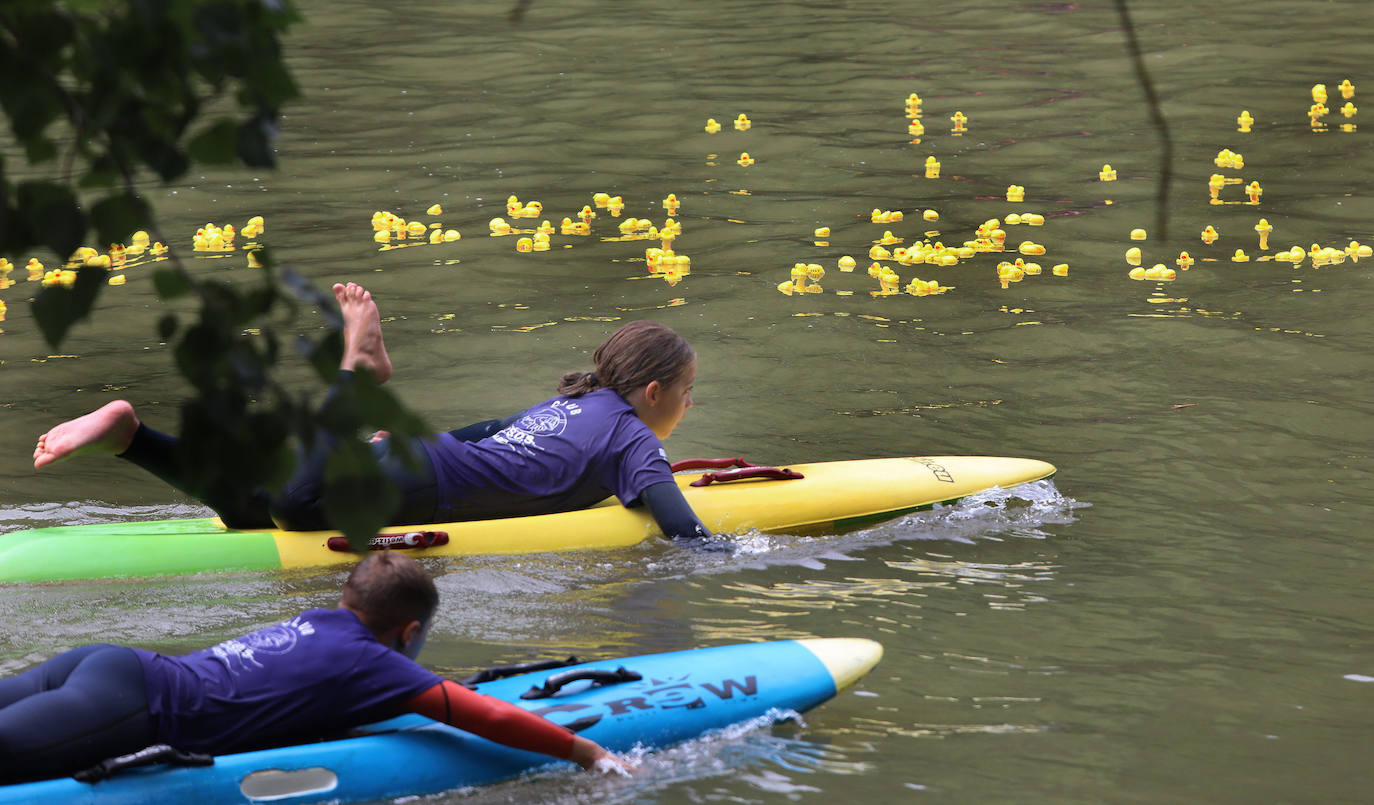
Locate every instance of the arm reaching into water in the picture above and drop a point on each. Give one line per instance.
(672, 512)
(507, 724)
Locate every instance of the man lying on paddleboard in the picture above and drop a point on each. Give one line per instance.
(313, 676)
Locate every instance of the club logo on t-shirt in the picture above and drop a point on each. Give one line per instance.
(551, 420)
(280, 639)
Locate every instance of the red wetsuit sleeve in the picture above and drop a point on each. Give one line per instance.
(492, 719)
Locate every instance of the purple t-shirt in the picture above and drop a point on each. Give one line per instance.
(315, 675)
(563, 454)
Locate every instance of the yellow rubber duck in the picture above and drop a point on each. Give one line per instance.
(1030, 248)
(959, 121)
(671, 204)
(1185, 261)
(879, 253)
(1348, 110)
(821, 232)
(1060, 270)
(1137, 274)
(1215, 183)
(601, 200)
(450, 235)
(587, 213)
(1033, 218)
(913, 103)
(846, 263)
(1160, 273)
(1240, 256)
(157, 250)
(499, 226)
(1012, 219)
(615, 205)
(712, 126)
(742, 123)
(1264, 228)
(1133, 256)
(524, 245)
(915, 129)
(1210, 235)
(1319, 93)
(1139, 234)
(888, 238)
(415, 229)
(1107, 174)
(1016, 193)
(1245, 121)
(513, 206)
(930, 215)
(1254, 191)
(932, 168)
(1347, 89)
(2, 310)
(36, 270)
(745, 160)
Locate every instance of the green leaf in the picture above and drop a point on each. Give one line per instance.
(255, 142)
(57, 308)
(167, 327)
(53, 215)
(117, 216)
(358, 497)
(171, 283)
(216, 145)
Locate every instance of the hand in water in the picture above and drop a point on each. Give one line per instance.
(611, 764)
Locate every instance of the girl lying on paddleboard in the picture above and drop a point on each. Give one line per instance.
(600, 436)
(311, 677)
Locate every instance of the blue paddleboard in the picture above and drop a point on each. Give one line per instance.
(650, 701)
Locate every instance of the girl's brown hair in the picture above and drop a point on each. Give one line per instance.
(635, 355)
(388, 589)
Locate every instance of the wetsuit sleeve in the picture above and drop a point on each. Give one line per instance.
(672, 512)
(492, 719)
(481, 430)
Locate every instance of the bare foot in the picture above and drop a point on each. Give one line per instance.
(108, 429)
(363, 346)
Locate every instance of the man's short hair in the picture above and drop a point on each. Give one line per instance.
(390, 590)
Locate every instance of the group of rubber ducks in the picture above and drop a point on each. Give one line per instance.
(989, 237)
(741, 123)
(1217, 182)
(120, 257)
(392, 231)
(1318, 110)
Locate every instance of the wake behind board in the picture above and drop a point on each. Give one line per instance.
(675, 697)
(833, 496)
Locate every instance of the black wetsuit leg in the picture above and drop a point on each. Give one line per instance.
(299, 506)
(72, 712)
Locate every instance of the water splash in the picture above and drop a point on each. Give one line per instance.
(753, 752)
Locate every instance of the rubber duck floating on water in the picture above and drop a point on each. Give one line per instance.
(1244, 122)
(745, 160)
(1254, 191)
(712, 126)
(932, 168)
(1264, 228)
(1184, 261)
(743, 123)
(1107, 174)
(1226, 158)
(960, 120)
(1210, 235)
